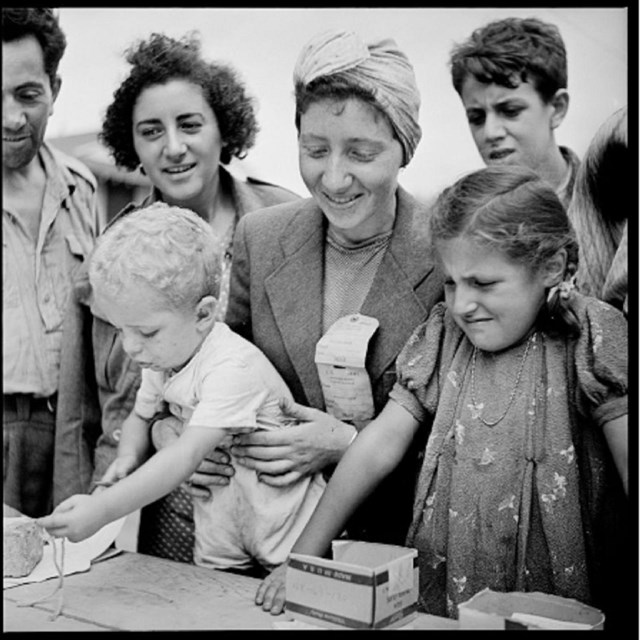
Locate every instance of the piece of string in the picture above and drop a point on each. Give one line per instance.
(59, 587)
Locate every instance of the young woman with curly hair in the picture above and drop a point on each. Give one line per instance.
(180, 119)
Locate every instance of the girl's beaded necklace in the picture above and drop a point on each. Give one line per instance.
(523, 358)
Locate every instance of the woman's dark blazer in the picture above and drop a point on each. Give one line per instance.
(275, 301)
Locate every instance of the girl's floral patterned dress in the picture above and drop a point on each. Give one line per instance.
(498, 500)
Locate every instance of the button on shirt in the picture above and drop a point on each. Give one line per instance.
(37, 278)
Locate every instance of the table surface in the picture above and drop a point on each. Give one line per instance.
(131, 591)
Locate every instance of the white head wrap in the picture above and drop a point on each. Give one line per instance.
(379, 67)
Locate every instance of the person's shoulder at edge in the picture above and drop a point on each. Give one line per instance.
(589, 309)
(75, 166)
(132, 206)
(420, 206)
(280, 213)
(417, 212)
(281, 193)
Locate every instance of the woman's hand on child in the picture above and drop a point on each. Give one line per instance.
(214, 470)
(283, 456)
(76, 518)
(165, 431)
(271, 592)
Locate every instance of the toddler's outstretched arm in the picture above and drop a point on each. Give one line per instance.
(376, 451)
(80, 516)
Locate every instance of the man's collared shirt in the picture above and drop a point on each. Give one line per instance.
(37, 279)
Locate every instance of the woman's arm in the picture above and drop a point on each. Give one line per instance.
(376, 451)
(80, 516)
(282, 456)
(615, 433)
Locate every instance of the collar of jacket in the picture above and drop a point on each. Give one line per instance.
(244, 197)
(392, 298)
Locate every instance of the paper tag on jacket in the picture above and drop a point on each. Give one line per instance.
(340, 360)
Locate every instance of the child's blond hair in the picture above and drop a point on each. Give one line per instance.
(168, 249)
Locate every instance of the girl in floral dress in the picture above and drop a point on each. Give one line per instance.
(527, 383)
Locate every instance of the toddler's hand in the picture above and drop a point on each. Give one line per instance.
(271, 592)
(77, 518)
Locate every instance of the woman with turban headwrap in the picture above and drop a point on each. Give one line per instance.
(359, 245)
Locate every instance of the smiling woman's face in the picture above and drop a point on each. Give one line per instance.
(349, 161)
(176, 137)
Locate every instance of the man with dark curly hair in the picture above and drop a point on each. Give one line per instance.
(180, 119)
(49, 225)
(511, 75)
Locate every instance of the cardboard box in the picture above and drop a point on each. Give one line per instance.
(366, 586)
(529, 611)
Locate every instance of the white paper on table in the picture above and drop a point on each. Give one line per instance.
(77, 555)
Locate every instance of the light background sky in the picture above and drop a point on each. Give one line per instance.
(263, 44)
